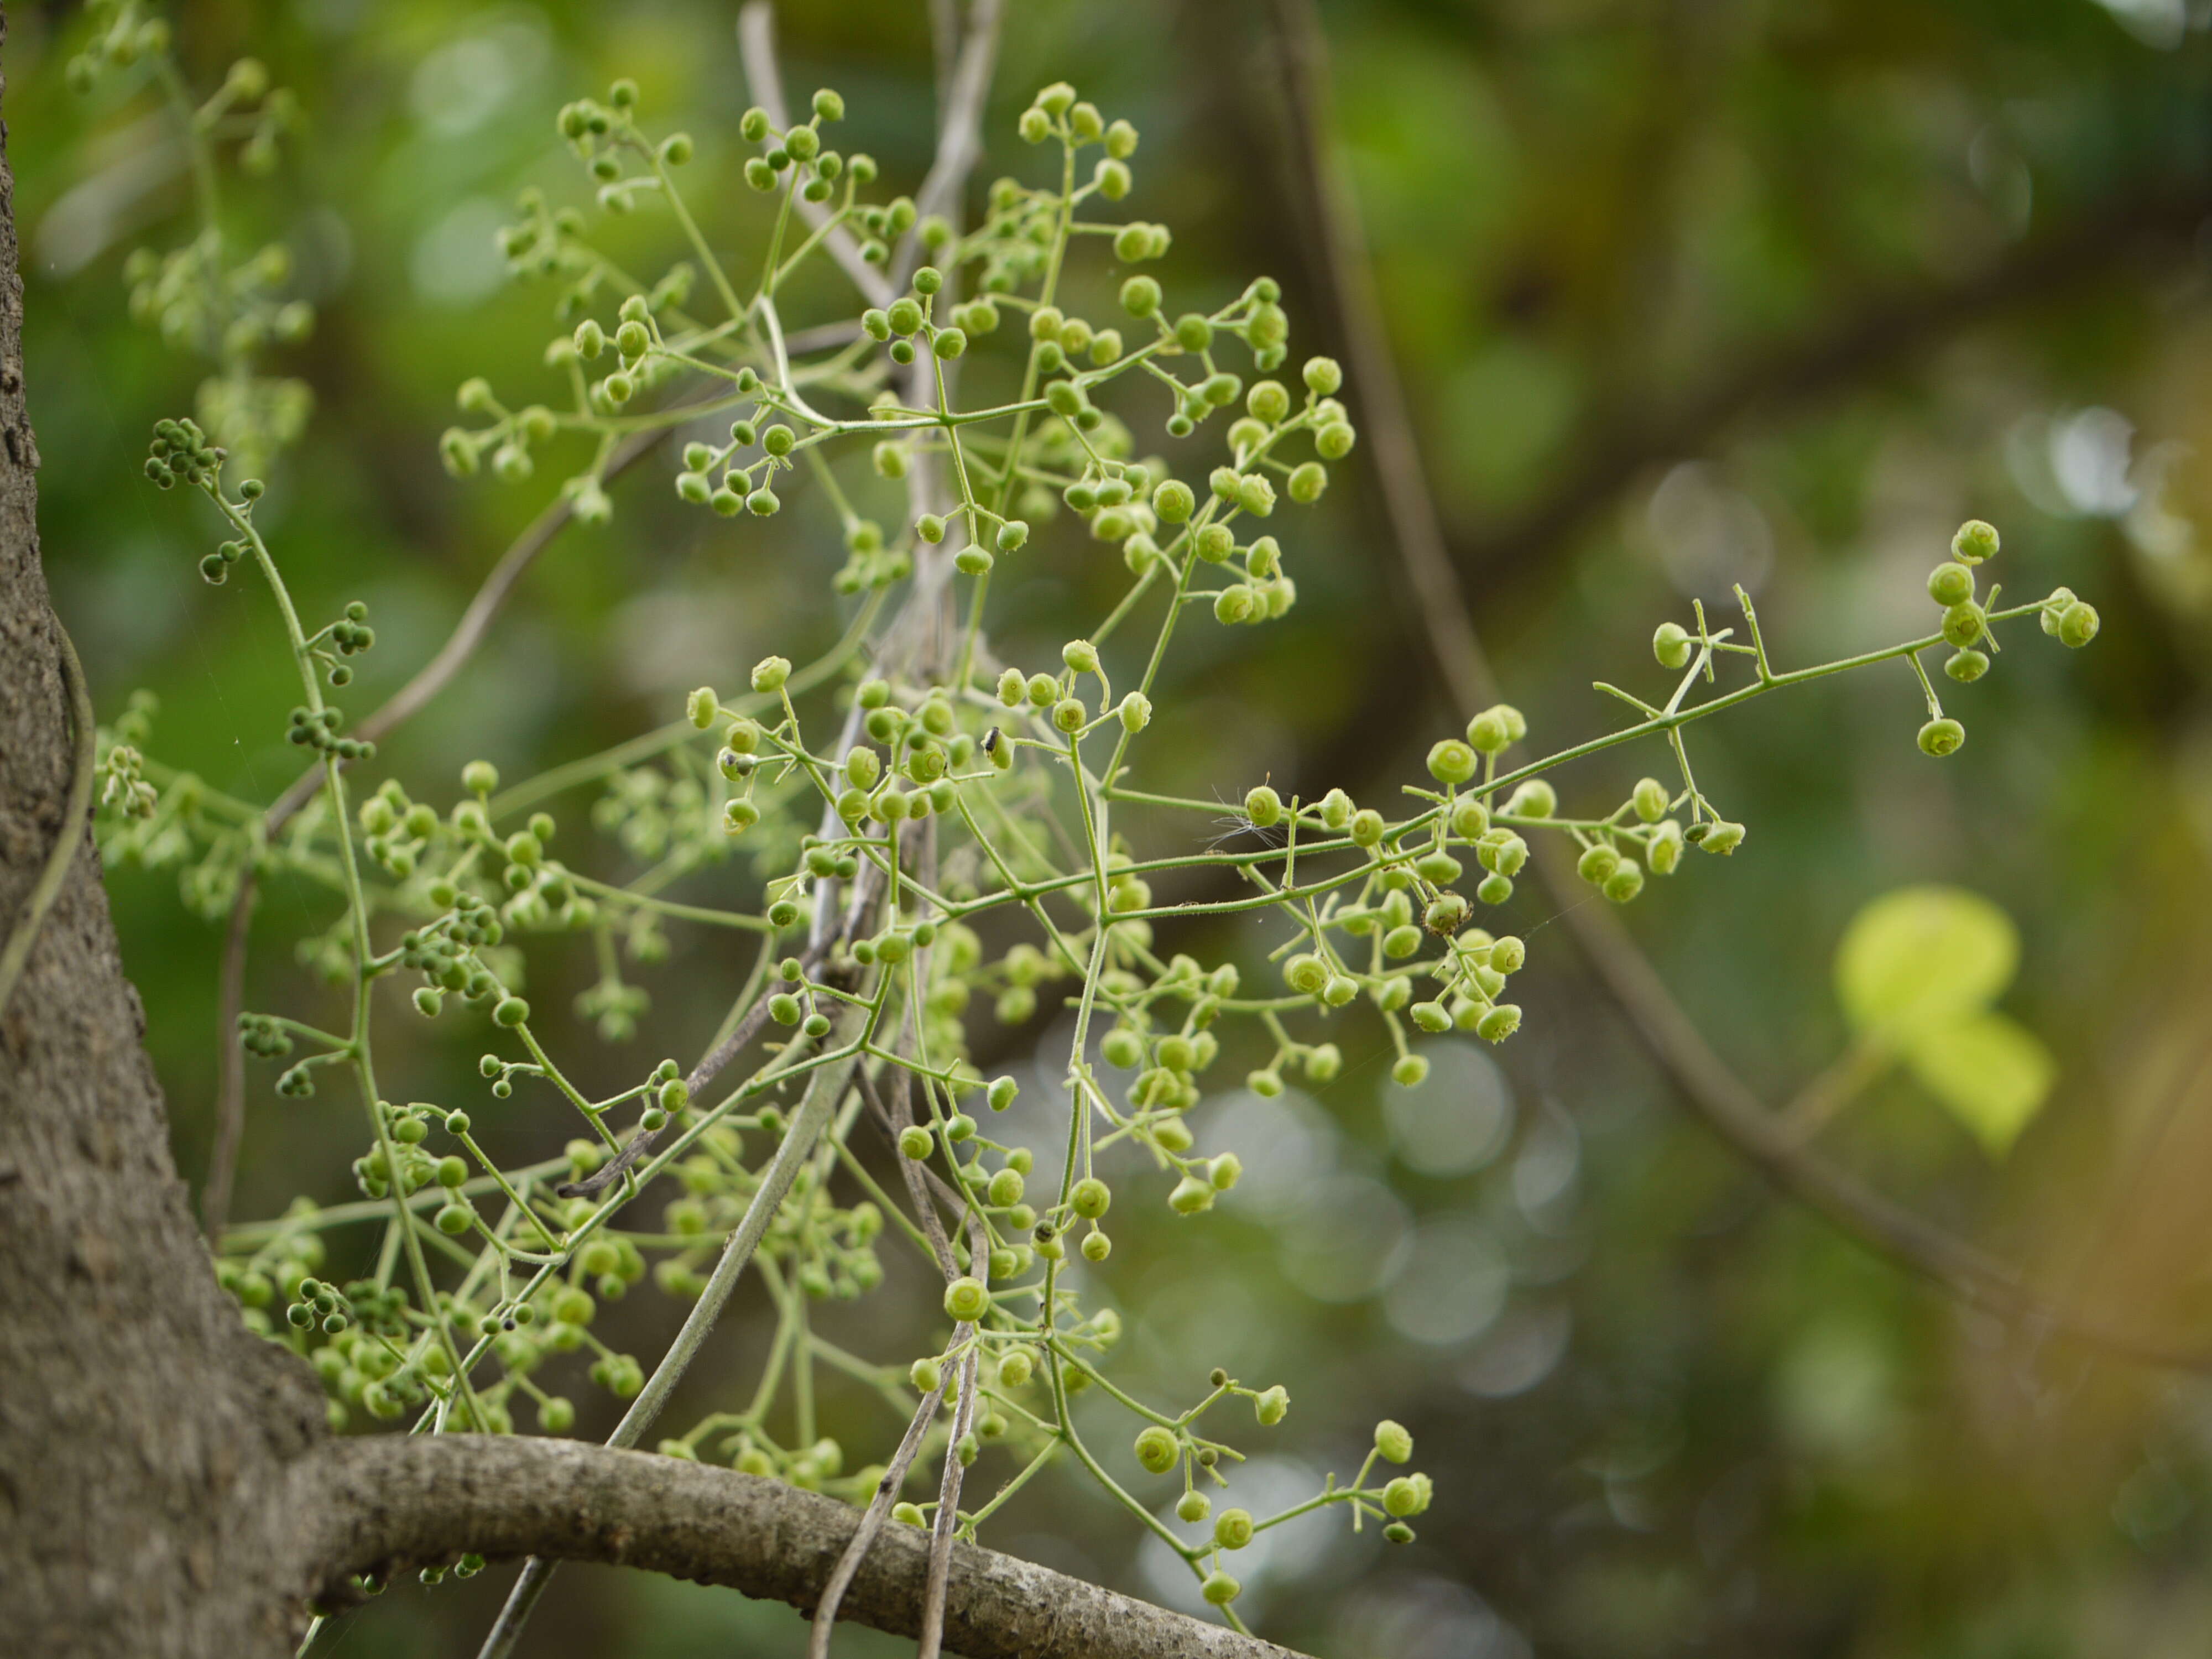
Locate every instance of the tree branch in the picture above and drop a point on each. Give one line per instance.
(382, 1503)
(1721, 1099)
(756, 48)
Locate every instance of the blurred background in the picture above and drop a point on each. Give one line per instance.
(1684, 293)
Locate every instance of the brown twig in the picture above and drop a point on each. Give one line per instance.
(1712, 1089)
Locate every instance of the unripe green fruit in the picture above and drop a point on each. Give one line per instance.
(1193, 1506)
(1950, 584)
(1625, 882)
(2055, 607)
(511, 1010)
(1672, 645)
(915, 1142)
(455, 1219)
(1366, 827)
(1942, 737)
(1263, 806)
(1157, 1448)
(1232, 1529)
(1402, 1497)
(1410, 1071)
(926, 1375)
(1650, 799)
(1089, 1198)
(1966, 666)
(1015, 1369)
(1220, 1588)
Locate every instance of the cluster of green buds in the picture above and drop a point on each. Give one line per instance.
(931, 834)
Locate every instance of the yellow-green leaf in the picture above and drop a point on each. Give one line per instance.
(1990, 1073)
(1922, 957)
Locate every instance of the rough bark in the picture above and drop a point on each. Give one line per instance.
(412, 1500)
(167, 1485)
(135, 1407)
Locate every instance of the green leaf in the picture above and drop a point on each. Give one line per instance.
(1990, 1073)
(1921, 958)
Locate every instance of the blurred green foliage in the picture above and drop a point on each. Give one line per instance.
(1685, 294)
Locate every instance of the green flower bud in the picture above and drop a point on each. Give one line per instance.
(1366, 827)
(480, 777)
(1191, 1194)
(1499, 1023)
(1950, 584)
(927, 1375)
(1136, 712)
(1157, 1448)
(1410, 1071)
(1140, 296)
(1193, 1506)
(1233, 1530)
(1974, 541)
(1671, 646)
(1335, 441)
(511, 1010)
(1263, 806)
(1942, 737)
(1650, 799)
(1963, 624)
(904, 315)
(1271, 1406)
(1394, 1440)
(1508, 954)
(1452, 762)
(1220, 1588)
(2078, 624)
(1722, 836)
(1402, 1497)
(770, 673)
(702, 707)
(966, 1300)
(1966, 666)
(1625, 882)
(1323, 1062)
(2055, 607)
(1323, 376)
(1193, 332)
(1665, 848)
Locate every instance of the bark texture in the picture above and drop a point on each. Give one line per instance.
(405, 1501)
(134, 1408)
(168, 1484)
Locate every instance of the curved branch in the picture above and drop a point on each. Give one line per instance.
(1721, 1099)
(380, 1504)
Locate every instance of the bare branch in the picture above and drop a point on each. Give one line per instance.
(383, 1503)
(756, 46)
(1718, 1097)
